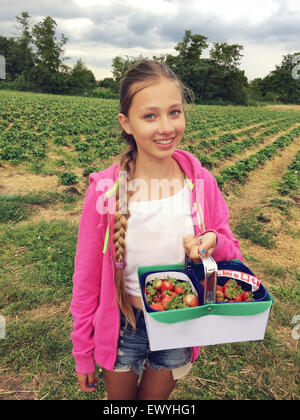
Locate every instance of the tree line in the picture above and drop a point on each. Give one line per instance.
(35, 61)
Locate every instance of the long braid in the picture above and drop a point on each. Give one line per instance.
(120, 227)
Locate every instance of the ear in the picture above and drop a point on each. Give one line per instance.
(123, 120)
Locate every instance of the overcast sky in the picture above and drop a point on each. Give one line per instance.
(98, 30)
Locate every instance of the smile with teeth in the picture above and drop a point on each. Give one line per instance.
(164, 141)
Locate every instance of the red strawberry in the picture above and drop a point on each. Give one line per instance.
(167, 285)
(165, 301)
(232, 289)
(247, 296)
(157, 283)
(191, 300)
(220, 294)
(178, 290)
(157, 306)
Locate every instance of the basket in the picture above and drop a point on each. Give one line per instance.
(209, 323)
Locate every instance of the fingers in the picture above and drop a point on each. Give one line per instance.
(189, 241)
(87, 382)
(202, 246)
(209, 241)
(195, 253)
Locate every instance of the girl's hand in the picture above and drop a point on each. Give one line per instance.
(203, 245)
(87, 382)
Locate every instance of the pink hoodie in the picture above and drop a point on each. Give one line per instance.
(94, 307)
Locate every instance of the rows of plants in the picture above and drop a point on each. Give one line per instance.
(241, 169)
(84, 131)
(206, 147)
(206, 121)
(216, 158)
(290, 181)
(32, 125)
(226, 122)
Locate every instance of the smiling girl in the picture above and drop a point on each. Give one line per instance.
(109, 326)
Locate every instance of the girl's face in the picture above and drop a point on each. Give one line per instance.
(156, 119)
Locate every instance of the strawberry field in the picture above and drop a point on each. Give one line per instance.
(49, 145)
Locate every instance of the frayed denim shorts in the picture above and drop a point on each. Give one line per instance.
(133, 351)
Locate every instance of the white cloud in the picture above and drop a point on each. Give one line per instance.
(98, 30)
(259, 60)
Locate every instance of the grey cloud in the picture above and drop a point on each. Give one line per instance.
(55, 8)
(108, 14)
(119, 24)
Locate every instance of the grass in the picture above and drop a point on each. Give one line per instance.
(243, 371)
(42, 267)
(252, 227)
(17, 207)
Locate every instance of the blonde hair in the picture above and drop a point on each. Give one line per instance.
(140, 75)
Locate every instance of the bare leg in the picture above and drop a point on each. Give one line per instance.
(156, 384)
(120, 385)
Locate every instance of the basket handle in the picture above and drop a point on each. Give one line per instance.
(210, 277)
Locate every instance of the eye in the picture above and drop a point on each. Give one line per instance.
(149, 116)
(175, 112)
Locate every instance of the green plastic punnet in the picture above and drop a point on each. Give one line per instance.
(227, 309)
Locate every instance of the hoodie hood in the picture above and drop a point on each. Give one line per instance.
(189, 163)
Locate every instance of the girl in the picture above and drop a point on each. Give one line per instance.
(123, 227)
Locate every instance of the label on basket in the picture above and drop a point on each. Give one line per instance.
(245, 277)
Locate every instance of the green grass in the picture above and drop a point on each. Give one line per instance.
(242, 371)
(252, 227)
(41, 269)
(16, 207)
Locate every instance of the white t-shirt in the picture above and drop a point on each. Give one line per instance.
(155, 234)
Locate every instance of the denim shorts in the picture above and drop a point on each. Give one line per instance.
(133, 351)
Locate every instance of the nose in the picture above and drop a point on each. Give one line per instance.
(165, 126)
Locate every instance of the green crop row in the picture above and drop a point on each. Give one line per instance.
(242, 168)
(238, 147)
(291, 179)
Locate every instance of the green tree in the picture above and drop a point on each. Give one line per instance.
(121, 64)
(191, 47)
(280, 82)
(25, 54)
(226, 55)
(48, 57)
(110, 84)
(256, 89)
(49, 50)
(81, 79)
(215, 79)
(186, 64)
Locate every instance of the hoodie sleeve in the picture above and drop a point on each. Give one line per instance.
(86, 281)
(228, 246)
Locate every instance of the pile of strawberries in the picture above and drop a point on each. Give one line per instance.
(232, 292)
(170, 293)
